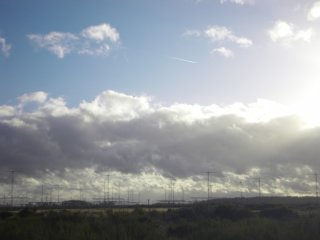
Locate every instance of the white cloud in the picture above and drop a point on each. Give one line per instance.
(192, 33)
(116, 106)
(101, 33)
(304, 35)
(58, 43)
(314, 12)
(227, 53)
(5, 47)
(95, 40)
(239, 2)
(101, 50)
(218, 33)
(39, 97)
(243, 42)
(287, 33)
(7, 111)
(281, 30)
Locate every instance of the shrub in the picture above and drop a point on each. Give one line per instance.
(279, 212)
(232, 212)
(4, 215)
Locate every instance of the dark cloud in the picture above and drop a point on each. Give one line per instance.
(129, 135)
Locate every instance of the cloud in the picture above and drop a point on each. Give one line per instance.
(219, 34)
(101, 33)
(5, 47)
(131, 134)
(287, 33)
(6, 111)
(314, 12)
(227, 53)
(94, 40)
(135, 138)
(39, 97)
(57, 43)
(192, 33)
(239, 2)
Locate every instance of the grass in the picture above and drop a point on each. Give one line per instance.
(225, 222)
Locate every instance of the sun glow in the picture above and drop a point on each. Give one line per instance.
(308, 107)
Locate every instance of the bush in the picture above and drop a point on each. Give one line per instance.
(232, 212)
(278, 212)
(4, 215)
(25, 212)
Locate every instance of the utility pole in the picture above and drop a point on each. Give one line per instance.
(316, 186)
(241, 189)
(259, 185)
(58, 190)
(12, 184)
(182, 194)
(104, 190)
(259, 181)
(119, 189)
(165, 195)
(128, 197)
(108, 187)
(80, 193)
(42, 194)
(50, 195)
(172, 190)
(208, 182)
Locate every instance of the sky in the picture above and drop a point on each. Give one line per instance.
(147, 91)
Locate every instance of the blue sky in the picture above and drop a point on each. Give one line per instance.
(152, 35)
(148, 90)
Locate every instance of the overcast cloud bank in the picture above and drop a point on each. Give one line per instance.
(134, 135)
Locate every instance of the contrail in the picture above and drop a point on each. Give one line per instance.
(181, 59)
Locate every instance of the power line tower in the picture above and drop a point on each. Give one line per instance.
(172, 189)
(316, 186)
(182, 191)
(58, 192)
(108, 177)
(108, 188)
(241, 189)
(208, 173)
(259, 185)
(53, 188)
(12, 185)
(42, 192)
(119, 192)
(104, 190)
